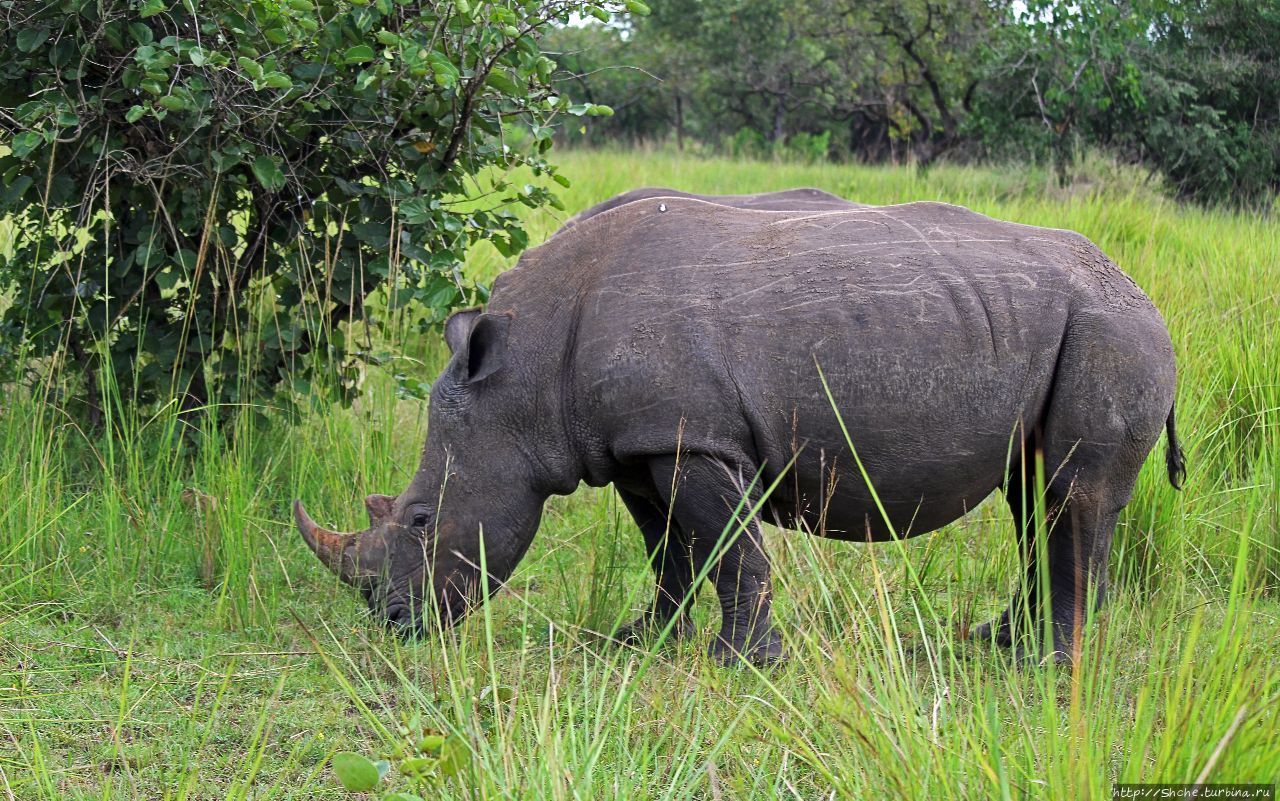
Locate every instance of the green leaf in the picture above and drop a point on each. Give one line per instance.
(16, 189)
(167, 279)
(636, 7)
(26, 142)
(267, 170)
(151, 8)
(141, 33)
(359, 54)
(504, 84)
(172, 103)
(430, 743)
(222, 162)
(356, 773)
(250, 67)
(63, 51)
(417, 766)
(402, 797)
(372, 234)
(560, 179)
(415, 210)
(455, 756)
(31, 38)
(30, 111)
(277, 80)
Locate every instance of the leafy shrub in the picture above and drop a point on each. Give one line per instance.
(808, 147)
(204, 193)
(746, 143)
(426, 760)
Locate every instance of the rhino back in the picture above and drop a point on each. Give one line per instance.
(803, 199)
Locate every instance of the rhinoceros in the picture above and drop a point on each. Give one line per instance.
(716, 364)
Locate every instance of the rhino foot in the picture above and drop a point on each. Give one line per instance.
(1025, 649)
(646, 629)
(996, 630)
(762, 649)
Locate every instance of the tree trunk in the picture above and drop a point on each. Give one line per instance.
(86, 364)
(193, 402)
(679, 122)
(779, 114)
(1062, 157)
(925, 153)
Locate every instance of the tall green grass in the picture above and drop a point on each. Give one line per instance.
(164, 634)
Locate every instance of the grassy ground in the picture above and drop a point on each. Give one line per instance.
(165, 634)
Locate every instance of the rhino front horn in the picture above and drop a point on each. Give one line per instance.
(337, 551)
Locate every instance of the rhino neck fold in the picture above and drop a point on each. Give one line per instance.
(541, 384)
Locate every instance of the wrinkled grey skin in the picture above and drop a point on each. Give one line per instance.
(787, 200)
(671, 347)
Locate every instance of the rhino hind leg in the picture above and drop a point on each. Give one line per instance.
(1064, 542)
(1064, 549)
(669, 556)
(712, 500)
(1107, 409)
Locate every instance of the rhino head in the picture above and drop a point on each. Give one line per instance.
(419, 561)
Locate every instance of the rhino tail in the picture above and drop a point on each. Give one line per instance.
(1174, 459)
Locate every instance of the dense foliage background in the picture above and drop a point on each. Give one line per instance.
(1190, 88)
(204, 193)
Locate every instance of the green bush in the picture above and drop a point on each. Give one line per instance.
(204, 194)
(808, 147)
(746, 143)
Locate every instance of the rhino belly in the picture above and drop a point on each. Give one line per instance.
(829, 495)
(934, 438)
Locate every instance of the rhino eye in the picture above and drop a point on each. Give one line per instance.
(420, 520)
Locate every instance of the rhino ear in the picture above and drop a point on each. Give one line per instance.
(485, 349)
(458, 327)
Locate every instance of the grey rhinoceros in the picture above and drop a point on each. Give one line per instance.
(693, 354)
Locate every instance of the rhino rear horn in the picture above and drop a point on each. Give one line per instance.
(380, 507)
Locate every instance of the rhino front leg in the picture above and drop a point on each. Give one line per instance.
(712, 504)
(672, 564)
